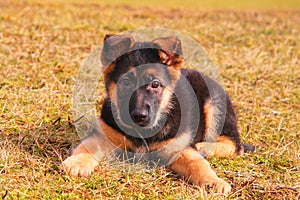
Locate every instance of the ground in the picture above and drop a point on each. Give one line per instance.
(42, 45)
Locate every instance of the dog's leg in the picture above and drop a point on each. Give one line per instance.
(193, 166)
(221, 136)
(223, 147)
(87, 155)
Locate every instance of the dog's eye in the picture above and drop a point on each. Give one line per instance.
(126, 82)
(155, 84)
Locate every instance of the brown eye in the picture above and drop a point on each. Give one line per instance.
(155, 84)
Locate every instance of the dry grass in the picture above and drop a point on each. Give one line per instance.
(42, 46)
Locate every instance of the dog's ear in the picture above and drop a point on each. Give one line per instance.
(114, 46)
(170, 51)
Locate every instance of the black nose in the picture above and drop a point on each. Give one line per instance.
(140, 117)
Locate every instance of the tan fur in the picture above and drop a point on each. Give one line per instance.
(171, 150)
(189, 164)
(87, 155)
(211, 121)
(120, 141)
(167, 93)
(224, 147)
(108, 70)
(112, 93)
(175, 70)
(116, 138)
(193, 166)
(177, 143)
(149, 71)
(179, 62)
(80, 165)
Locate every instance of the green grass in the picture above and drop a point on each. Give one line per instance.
(42, 46)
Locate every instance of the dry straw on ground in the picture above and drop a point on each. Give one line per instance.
(42, 46)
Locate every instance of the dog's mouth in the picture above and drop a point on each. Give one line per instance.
(144, 123)
(138, 118)
(140, 124)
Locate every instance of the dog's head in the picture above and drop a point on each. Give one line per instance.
(140, 77)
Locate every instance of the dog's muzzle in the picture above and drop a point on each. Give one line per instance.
(140, 117)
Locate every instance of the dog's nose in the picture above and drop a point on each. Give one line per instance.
(140, 117)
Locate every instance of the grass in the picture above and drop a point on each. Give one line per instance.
(42, 47)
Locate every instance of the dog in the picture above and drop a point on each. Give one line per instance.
(154, 107)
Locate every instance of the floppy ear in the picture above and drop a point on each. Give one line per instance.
(114, 46)
(170, 51)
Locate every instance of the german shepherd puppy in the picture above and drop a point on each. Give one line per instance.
(154, 107)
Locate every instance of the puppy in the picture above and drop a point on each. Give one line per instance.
(155, 107)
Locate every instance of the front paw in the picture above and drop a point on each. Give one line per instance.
(80, 164)
(206, 148)
(222, 186)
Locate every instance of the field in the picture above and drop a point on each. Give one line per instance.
(42, 46)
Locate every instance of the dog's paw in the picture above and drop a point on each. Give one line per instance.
(222, 186)
(80, 164)
(205, 148)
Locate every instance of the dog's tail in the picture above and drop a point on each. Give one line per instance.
(248, 148)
